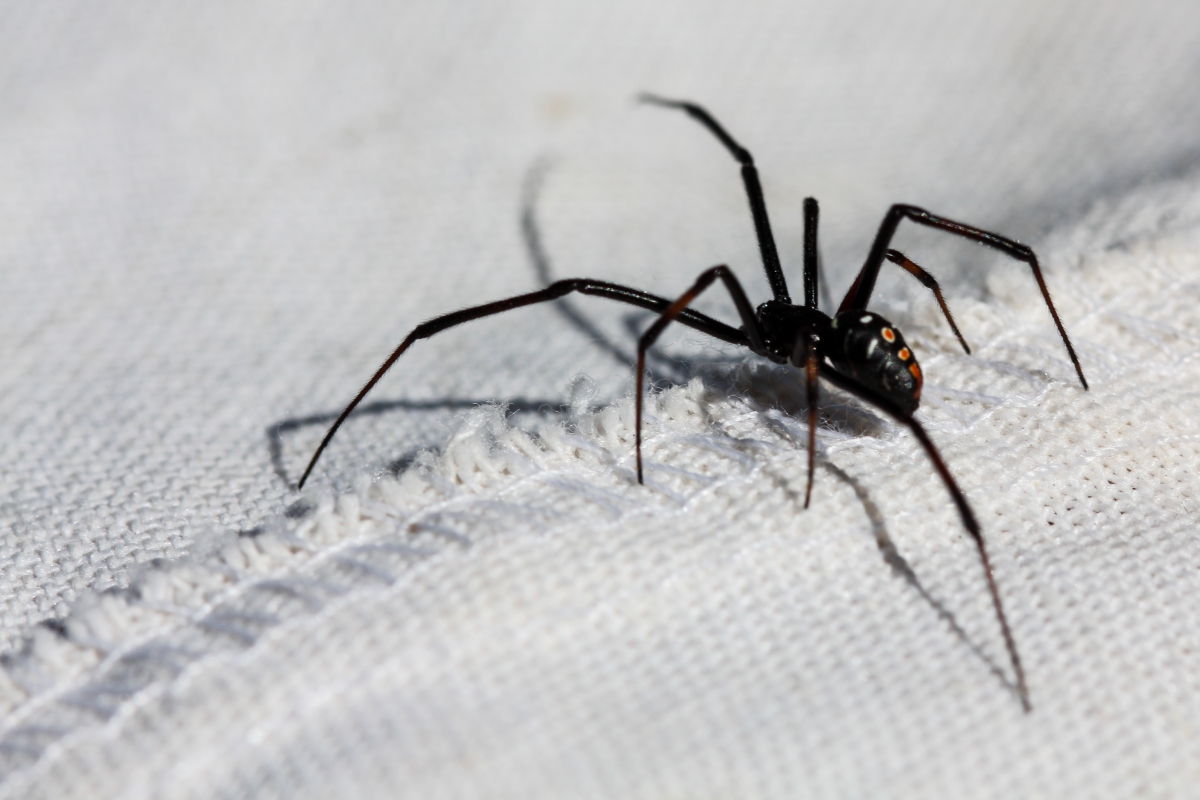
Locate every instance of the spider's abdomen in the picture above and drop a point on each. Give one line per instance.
(869, 349)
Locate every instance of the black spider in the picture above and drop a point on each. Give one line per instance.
(855, 350)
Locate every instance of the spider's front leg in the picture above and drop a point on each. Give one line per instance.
(612, 291)
(751, 327)
(754, 192)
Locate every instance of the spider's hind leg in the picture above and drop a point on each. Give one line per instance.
(960, 501)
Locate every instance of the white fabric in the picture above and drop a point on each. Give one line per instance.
(219, 219)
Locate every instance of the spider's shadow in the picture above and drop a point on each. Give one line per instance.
(660, 367)
(277, 431)
(902, 568)
(891, 555)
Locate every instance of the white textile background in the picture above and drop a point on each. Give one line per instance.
(217, 220)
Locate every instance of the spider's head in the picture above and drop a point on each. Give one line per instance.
(869, 349)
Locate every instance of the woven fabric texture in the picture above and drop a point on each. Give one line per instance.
(219, 219)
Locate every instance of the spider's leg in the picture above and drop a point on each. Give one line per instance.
(812, 363)
(960, 500)
(812, 358)
(612, 291)
(929, 282)
(860, 292)
(812, 259)
(758, 206)
(753, 337)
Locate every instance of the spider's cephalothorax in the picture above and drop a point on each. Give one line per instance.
(783, 327)
(857, 351)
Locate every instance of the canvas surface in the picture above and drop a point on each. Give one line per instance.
(219, 220)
